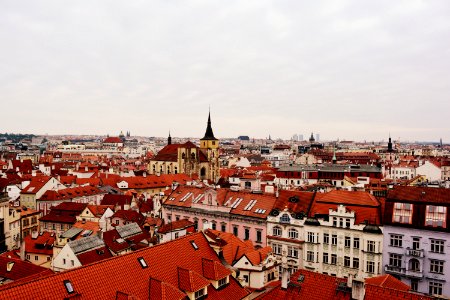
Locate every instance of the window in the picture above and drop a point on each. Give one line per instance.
(64, 261)
(28, 256)
(276, 231)
(341, 222)
(258, 236)
(371, 246)
(326, 238)
(276, 248)
(395, 260)
(310, 256)
(416, 243)
(414, 265)
(199, 293)
(396, 240)
(333, 259)
(177, 218)
(214, 226)
(246, 233)
(72, 262)
(246, 278)
(293, 233)
(347, 223)
(36, 257)
(436, 266)
(285, 218)
(435, 288)
(68, 286)
(356, 243)
(334, 221)
(311, 237)
(325, 258)
(334, 240)
(370, 267)
(176, 235)
(402, 213)
(142, 262)
(347, 241)
(168, 217)
(222, 281)
(292, 252)
(414, 285)
(355, 263)
(437, 246)
(435, 216)
(347, 261)
(194, 245)
(195, 224)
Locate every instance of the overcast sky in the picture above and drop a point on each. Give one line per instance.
(345, 69)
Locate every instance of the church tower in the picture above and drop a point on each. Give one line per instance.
(210, 146)
(169, 140)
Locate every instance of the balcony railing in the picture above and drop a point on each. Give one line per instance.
(415, 252)
(394, 270)
(414, 273)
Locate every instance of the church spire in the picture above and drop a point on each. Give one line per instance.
(209, 135)
(169, 139)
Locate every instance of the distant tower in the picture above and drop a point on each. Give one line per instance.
(390, 144)
(334, 154)
(311, 138)
(317, 137)
(210, 145)
(169, 140)
(440, 142)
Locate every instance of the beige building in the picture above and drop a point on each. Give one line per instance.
(189, 159)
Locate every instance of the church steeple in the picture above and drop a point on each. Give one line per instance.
(209, 135)
(390, 144)
(169, 139)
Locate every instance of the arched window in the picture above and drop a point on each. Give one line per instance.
(183, 155)
(285, 218)
(193, 156)
(202, 172)
(414, 265)
(277, 231)
(293, 233)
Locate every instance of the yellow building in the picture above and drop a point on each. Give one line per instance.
(189, 159)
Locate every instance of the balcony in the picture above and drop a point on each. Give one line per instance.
(414, 273)
(394, 270)
(415, 252)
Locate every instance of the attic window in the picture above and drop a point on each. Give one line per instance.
(194, 245)
(300, 278)
(68, 286)
(142, 262)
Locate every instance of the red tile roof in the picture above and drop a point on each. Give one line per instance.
(94, 255)
(70, 193)
(190, 281)
(388, 281)
(114, 274)
(376, 293)
(214, 270)
(113, 140)
(42, 244)
(19, 269)
(36, 184)
(129, 216)
(419, 194)
(305, 284)
(175, 225)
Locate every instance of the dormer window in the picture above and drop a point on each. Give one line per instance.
(436, 216)
(402, 213)
(68, 286)
(223, 281)
(200, 293)
(285, 218)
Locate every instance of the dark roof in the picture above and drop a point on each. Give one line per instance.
(209, 135)
(427, 195)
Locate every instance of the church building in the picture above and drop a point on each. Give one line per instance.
(189, 159)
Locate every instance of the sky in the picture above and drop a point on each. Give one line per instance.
(354, 70)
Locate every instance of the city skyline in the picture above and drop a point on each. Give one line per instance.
(347, 70)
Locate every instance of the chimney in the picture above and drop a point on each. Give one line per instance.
(350, 280)
(34, 235)
(22, 249)
(284, 278)
(9, 266)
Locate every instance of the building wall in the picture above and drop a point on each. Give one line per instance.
(424, 256)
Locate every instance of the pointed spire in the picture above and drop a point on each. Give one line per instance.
(169, 139)
(209, 135)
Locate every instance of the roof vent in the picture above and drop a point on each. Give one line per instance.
(68, 286)
(142, 262)
(194, 245)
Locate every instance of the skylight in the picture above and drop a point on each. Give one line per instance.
(142, 262)
(194, 245)
(68, 286)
